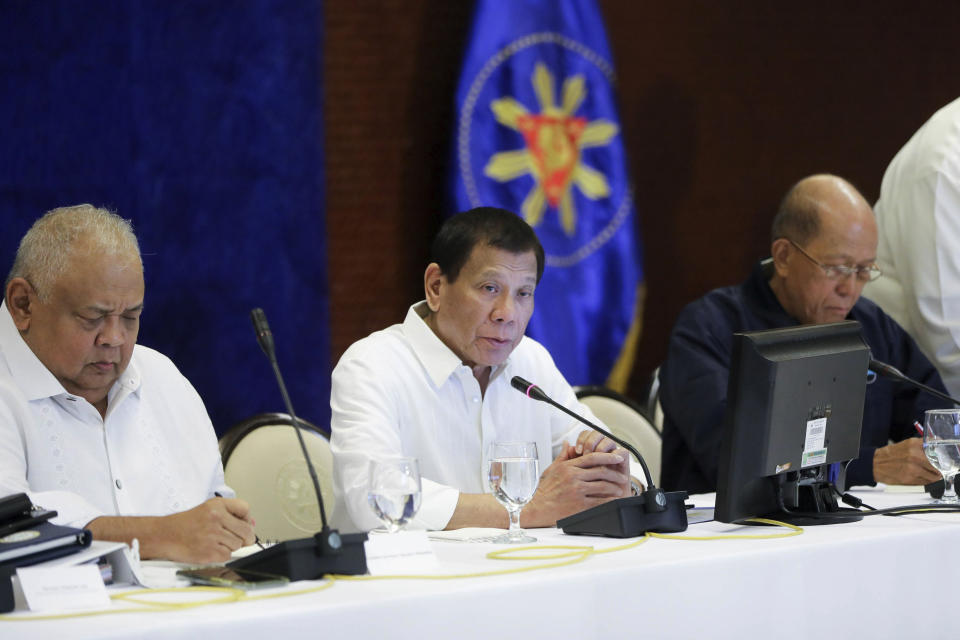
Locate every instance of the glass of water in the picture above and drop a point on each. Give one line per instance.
(513, 471)
(394, 491)
(941, 443)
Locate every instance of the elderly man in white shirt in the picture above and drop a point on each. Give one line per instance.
(103, 430)
(437, 388)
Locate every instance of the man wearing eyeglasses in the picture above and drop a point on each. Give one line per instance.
(824, 244)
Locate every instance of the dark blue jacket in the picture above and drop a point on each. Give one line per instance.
(693, 380)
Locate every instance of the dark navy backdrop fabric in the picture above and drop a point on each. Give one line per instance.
(200, 121)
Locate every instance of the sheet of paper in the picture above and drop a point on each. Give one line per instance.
(60, 588)
(467, 534)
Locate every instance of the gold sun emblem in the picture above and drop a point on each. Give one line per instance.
(554, 138)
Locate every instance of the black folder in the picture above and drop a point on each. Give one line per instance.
(44, 541)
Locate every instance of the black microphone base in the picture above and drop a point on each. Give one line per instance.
(304, 559)
(629, 518)
(935, 489)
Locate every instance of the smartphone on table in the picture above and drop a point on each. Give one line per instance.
(235, 578)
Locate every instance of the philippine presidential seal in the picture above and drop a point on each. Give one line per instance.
(538, 134)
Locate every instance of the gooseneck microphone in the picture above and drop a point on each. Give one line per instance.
(655, 501)
(890, 371)
(653, 510)
(265, 339)
(327, 551)
(935, 489)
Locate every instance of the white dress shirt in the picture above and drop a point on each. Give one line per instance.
(918, 216)
(155, 452)
(402, 392)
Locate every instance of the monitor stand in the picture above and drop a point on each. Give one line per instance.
(813, 502)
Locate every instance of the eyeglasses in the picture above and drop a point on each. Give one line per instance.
(842, 271)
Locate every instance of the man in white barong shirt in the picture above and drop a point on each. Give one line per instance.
(106, 432)
(437, 388)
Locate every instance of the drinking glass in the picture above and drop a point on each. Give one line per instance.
(941, 443)
(394, 491)
(513, 472)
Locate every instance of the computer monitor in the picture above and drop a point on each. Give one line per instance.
(794, 406)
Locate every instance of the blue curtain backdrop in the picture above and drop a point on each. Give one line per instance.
(538, 134)
(200, 121)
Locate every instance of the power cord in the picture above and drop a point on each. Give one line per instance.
(850, 499)
(891, 511)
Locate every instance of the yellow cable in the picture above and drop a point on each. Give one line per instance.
(574, 557)
(794, 531)
(508, 553)
(228, 594)
(80, 614)
(328, 582)
(624, 547)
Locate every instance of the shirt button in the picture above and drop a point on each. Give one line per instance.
(476, 399)
(119, 484)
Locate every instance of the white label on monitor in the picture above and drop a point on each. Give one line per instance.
(816, 433)
(813, 458)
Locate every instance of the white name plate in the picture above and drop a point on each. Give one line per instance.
(59, 588)
(398, 553)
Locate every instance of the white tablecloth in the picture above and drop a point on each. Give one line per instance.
(878, 578)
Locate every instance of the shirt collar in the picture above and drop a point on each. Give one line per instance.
(436, 357)
(28, 373)
(762, 300)
(32, 376)
(129, 382)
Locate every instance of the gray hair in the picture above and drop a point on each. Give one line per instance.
(48, 247)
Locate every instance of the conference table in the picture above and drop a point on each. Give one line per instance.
(882, 577)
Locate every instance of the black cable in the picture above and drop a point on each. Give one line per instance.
(890, 511)
(850, 499)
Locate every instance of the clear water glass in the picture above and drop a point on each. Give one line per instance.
(513, 472)
(394, 491)
(941, 444)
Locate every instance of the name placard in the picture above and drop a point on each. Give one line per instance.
(59, 588)
(400, 552)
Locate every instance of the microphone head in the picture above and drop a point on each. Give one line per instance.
(886, 370)
(262, 329)
(527, 387)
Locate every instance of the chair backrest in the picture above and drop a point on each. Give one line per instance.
(652, 409)
(625, 419)
(263, 463)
